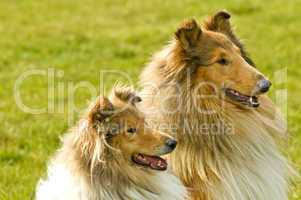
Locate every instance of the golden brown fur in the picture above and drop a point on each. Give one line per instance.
(95, 161)
(226, 151)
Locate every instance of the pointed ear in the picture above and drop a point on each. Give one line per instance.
(100, 110)
(220, 22)
(188, 34)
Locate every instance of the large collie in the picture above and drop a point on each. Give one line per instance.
(112, 155)
(205, 88)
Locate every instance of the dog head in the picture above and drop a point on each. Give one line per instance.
(215, 56)
(123, 133)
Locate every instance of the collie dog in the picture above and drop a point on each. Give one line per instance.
(112, 155)
(204, 85)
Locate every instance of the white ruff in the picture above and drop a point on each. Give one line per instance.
(252, 169)
(61, 184)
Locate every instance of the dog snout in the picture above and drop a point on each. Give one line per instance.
(171, 143)
(264, 85)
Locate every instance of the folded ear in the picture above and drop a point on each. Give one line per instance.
(126, 94)
(100, 110)
(220, 22)
(188, 34)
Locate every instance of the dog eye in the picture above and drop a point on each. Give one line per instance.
(223, 61)
(131, 130)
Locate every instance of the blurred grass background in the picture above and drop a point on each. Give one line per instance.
(80, 38)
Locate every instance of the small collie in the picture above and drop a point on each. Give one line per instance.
(112, 155)
(205, 84)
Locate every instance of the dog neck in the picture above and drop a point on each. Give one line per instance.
(111, 176)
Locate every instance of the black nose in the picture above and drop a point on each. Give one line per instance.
(171, 143)
(264, 85)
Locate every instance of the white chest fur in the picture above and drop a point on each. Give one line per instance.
(61, 184)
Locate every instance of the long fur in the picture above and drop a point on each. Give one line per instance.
(87, 168)
(242, 164)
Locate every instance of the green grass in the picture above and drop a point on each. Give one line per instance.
(81, 38)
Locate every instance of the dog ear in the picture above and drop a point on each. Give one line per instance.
(100, 110)
(188, 34)
(126, 94)
(220, 22)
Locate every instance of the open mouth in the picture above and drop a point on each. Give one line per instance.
(234, 95)
(152, 162)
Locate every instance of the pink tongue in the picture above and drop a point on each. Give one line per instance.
(154, 165)
(154, 162)
(158, 163)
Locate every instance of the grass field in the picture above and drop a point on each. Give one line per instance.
(77, 39)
